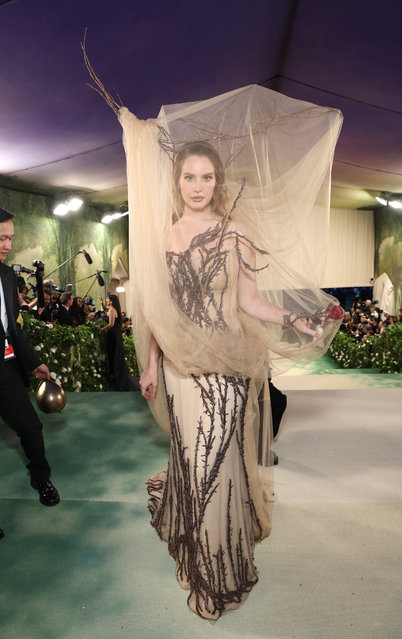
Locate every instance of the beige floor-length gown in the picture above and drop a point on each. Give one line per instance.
(202, 506)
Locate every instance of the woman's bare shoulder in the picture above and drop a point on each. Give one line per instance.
(240, 228)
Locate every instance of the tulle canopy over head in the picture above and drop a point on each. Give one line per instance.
(276, 154)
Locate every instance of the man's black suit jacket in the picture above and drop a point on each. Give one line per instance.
(26, 357)
(64, 316)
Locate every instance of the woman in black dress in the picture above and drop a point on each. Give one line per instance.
(115, 347)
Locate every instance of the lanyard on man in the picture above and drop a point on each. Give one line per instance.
(8, 349)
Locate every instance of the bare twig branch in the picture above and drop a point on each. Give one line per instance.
(100, 87)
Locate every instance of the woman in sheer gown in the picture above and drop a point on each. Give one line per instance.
(211, 285)
(203, 506)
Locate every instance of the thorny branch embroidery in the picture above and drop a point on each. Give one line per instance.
(192, 287)
(217, 572)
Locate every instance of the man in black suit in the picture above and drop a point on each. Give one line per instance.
(17, 359)
(64, 316)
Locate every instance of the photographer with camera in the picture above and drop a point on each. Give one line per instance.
(17, 360)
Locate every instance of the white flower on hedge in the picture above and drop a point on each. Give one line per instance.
(37, 348)
(53, 375)
(65, 380)
(53, 349)
(64, 370)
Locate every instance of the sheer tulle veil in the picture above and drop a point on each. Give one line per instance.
(281, 150)
(278, 154)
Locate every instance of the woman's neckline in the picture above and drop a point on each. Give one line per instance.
(212, 231)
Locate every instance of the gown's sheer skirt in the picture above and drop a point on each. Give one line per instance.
(203, 506)
(212, 506)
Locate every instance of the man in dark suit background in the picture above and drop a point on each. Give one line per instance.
(64, 316)
(17, 359)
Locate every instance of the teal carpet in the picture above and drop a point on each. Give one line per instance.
(67, 570)
(324, 373)
(93, 568)
(325, 365)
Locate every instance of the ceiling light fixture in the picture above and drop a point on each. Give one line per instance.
(110, 217)
(72, 204)
(382, 198)
(120, 288)
(390, 199)
(75, 203)
(61, 209)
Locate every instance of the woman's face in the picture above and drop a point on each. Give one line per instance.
(197, 182)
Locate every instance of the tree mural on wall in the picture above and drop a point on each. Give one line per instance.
(62, 241)
(388, 248)
(40, 235)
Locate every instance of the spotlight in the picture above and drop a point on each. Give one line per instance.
(390, 199)
(109, 217)
(120, 289)
(396, 204)
(382, 198)
(75, 203)
(68, 205)
(61, 209)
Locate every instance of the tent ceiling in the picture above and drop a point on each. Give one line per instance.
(57, 133)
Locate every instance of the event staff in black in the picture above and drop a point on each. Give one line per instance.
(17, 359)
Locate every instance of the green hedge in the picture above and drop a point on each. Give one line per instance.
(75, 356)
(383, 352)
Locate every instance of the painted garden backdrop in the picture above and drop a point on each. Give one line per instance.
(39, 235)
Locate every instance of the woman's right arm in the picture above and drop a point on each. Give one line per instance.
(149, 377)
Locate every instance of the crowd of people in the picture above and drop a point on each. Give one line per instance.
(65, 309)
(366, 319)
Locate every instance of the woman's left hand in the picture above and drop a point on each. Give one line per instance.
(303, 326)
(149, 382)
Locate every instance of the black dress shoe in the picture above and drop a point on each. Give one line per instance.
(2, 533)
(273, 458)
(48, 495)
